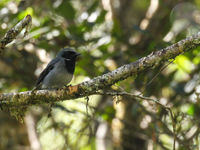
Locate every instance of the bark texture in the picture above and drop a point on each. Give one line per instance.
(98, 83)
(13, 32)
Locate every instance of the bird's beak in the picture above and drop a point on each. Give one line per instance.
(78, 56)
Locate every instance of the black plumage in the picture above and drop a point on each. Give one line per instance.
(59, 71)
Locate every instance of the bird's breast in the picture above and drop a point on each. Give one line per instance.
(57, 77)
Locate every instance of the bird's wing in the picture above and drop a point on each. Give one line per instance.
(43, 74)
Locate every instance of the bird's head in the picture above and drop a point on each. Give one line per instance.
(68, 54)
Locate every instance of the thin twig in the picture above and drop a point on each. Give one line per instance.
(87, 112)
(87, 103)
(13, 32)
(174, 128)
(137, 96)
(163, 68)
(124, 93)
(88, 88)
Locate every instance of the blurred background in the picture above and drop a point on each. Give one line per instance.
(108, 34)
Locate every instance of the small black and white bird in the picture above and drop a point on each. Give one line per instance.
(59, 71)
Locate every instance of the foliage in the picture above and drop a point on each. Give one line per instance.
(107, 35)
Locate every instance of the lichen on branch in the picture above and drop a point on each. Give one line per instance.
(13, 32)
(99, 83)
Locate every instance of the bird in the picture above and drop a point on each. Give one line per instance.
(59, 71)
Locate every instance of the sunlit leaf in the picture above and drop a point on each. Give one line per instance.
(184, 63)
(191, 110)
(66, 9)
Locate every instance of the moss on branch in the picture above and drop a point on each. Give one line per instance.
(99, 83)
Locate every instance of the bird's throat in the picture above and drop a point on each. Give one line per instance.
(70, 66)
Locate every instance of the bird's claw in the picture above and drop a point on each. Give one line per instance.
(66, 86)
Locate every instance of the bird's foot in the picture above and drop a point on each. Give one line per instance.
(67, 86)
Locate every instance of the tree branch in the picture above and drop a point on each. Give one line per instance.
(98, 83)
(13, 32)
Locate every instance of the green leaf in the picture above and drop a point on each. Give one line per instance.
(28, 11)
(191, 110)
(93, 6)
(23, 89)
(66, 10)
(101, 17)
(184, 63)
